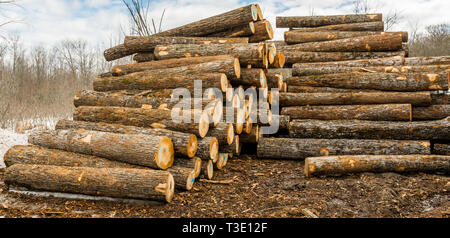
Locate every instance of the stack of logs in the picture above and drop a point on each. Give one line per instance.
(122, 141)
(349, 109)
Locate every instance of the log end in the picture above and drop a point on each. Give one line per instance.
(221, 161)
(271, 54)
(230, 134)
(218, 113)
(192, 146)
(237, 68)
(214, 150)
(254, 12)
(197, 166)
(280, 60)
(308, 169)
(203, 124)
(170, 188)
(190, 180)
(285, 88)
(248, 126)
(210, 169)
(236, 142)
(251, 25)
(223, 82)
(165, 155)
(240, 120)
(269, 30)
(262, 79)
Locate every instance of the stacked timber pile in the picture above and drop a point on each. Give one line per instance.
(123, 141)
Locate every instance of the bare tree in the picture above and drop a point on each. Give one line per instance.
(390, 18)
(140, 19)
(434, 41)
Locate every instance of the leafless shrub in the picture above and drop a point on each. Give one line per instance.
(435, 41)
(140, 19)
(390, 18)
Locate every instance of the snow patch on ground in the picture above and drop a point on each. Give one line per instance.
(8, 139)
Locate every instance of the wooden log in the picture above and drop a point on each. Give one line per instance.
(315, 21)
(184, 177)
(370, 43)
(280, 60)
(380, 112)
(112, 182)
(435, 60)
(376, 81)
(263, 32)
(252, 137)
(224, 132)
(236, 116)
(384, 61)
(433, 112)
(184, 144)
(294, 56)
(238, 31)
(365, 26)
(361, 98)
(286, 72)
(309, 89)
(233, 148)
(305, 70)
(117, 52)
(142, 117)
(283, 122)
(353, 129)
(151, 151)
(144, 57)
(223, 157)
(339, 165)
(440, 98)
(208, 169)
(293, 148)
(195, 164)
(260, 14)
(441, 149)
(296, 37)
(208, 149)
(275, 80)
(216, 23)
(252, 77)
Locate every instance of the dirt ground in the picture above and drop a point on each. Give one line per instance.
(264, 188)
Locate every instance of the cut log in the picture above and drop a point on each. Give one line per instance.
(252, 137)
(365, 26)
(383, 61)
(275, 80)
(433, 112)
(112, 182)
(429, 130)
(339, 165)
(286, 72)
(117, 52)
(216, 23)
(370, 43)
(151, 151)
(294, 56)
(283, 122)
(184, 144)
(440, 98)
(279, 61)
(309, 89)
(441, 149)
(184, 177)
(260, 14)
(144, 57)
(296, 37)
(194, 164)
(315, 21)
(208, 149)
(223, 157)
(208, 169)
(435, 60)
(361, 98)
(376, 81)
(224, 132)
(233, 148)
(293, 148)
(238, 31)
(236, 116)
(252, 77)
(381, 112)
(263, 32)
(142, 117)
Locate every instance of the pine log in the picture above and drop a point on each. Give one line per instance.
(144, 57)
(142, 117)
(441, 149)
(283, 122)
(309, 89)
(377, 81)
(286, 72)
(238, 31)
(208, 149)
(383, 61)
(380, 112)
(252, 137)
(292, 148)
(274, 80)
(260, 14)
(343, 129)
(440, 98)
(112, 182)
(360, 98)
(184, 144)
(195, 164)
(365, 26)
(184, 177)
(117, 52)
(271, 52)
(433, 112)
(233, 148)
(280, 60)
(435, 60)
(208, 169)
(295, 37)
(151, 151)
(216, 23)
(339, 165)
(294, 56)
(315, 21)
(370, 43)
(252, 77)
(263, 32)
(223, 157)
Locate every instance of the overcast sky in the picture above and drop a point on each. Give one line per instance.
(99, 21)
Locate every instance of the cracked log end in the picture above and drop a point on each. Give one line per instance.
(165, 155)
(214, 150)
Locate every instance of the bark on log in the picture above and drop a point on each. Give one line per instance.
(220, 164)
(208, 169)
(434, 60)
(375, 81)
(315, 21)
(263, 32)
(238, 31)
(216, 23)
(252, 77)
(280, 60)
(339, 165)
(383, 61)
(370, 43)
(309, 89)
(151, 151)
(433, 112)
(294, 56)
(283, 122)
(381, 112)
(286, 72)
(252, 137)
(142, 117)
(362, 98)
(292, 148)
(208, 149)
(295, 37)
(184, 177)
(365, 26)
(117, 52)
(429, 130)
(233, 148)
(112, 182)
(144, 57)
(184, 144)
(194, 164)
(275, 80)
(440, 99)
(441, 149)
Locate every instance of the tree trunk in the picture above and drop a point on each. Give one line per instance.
(434, 60)
(151, 151)
(429, 130)
(112, 182)
(263, 32)
(339, 165)
(184, 177)
(370, 43)
(208, 149)
(376, 81)
(216, 23)
(252, 77)
(361, 98)
(238, 31)
(184, 144)
(381, 112)
(292, 148)
(294, 56)
(224, 132)
(315, 21)
(208, 169)
(295, 37)
(382, 61)
(433, 112)
(309, 89)
(365, 26)
(144, 57)
(142, 117)
(194, 163)
(117, 52)
(441, 149)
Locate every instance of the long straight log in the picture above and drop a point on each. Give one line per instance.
(294, 56)
(144, 57)
(365, 26)
(353, 129)
(117, 52)
(383, 61)
(339, 165)
(376, 81)
(184, 144)
(216, 23)
(142, 117)
(381, 112)
(151, 151)
(440, 98)
(286, 72)
(238, 31)
(295, 37)
(184, 177)
(263, 32)
(112, 182)
(435, 60)
(441, 149)
(315, 21)
(292, 148)
(309, 89)
(433, 112)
